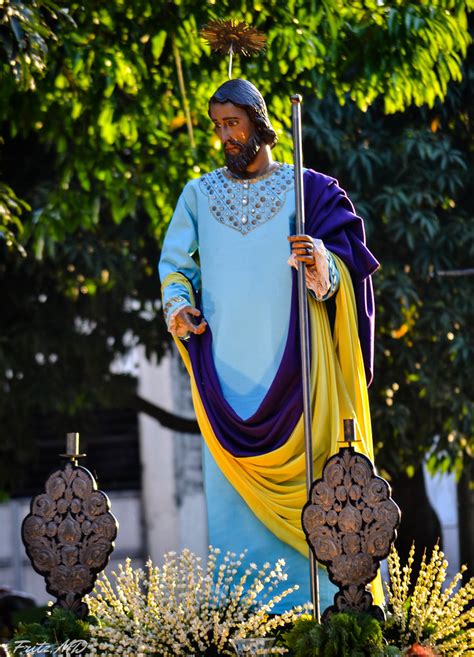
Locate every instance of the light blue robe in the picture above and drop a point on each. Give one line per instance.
(245, 284)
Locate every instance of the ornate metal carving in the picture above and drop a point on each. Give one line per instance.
(350, 522)
(69, 534)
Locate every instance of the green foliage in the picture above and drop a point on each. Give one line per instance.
(58, 626)
(109, 111)
(33, 632)
(66, 323)
(409, 177)
(305, 639)
(63, 624)
(392, 651)
(11, 209)
(95, 151)
(341, 635)
(25, 32)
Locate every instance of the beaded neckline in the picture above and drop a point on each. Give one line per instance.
(239, 205)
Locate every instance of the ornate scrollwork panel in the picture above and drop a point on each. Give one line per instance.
(350, 522)
(69, 535)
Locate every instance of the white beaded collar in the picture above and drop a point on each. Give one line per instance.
(244, 204)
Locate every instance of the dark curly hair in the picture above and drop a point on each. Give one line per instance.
(246, 95)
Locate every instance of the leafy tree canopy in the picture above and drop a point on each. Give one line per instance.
(409, 176)
(110, 113)
(97, 144)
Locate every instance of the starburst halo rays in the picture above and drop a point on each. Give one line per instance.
(232, 36)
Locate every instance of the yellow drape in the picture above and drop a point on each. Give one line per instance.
(273, 484)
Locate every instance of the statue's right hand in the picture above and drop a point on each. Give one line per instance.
(185, 321)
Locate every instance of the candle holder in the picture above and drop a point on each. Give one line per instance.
(69, 533)
(350, 522)
(262, 646)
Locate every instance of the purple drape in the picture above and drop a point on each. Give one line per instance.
(330, 216)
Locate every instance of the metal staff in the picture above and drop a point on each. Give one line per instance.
(304, 333)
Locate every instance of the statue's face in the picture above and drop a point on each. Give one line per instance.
(237, 134)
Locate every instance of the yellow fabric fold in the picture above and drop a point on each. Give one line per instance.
(273, 484)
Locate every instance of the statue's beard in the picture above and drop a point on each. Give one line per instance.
(238, 162)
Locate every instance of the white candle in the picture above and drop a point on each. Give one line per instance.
(72, 443)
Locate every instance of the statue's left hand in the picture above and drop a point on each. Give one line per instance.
(302, 248)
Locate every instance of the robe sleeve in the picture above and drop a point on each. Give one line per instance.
(178, 269)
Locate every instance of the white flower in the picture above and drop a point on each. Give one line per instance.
(427, 613)
(182, 608)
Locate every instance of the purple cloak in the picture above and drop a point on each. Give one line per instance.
(330, 216)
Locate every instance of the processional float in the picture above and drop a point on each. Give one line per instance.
(349, 520)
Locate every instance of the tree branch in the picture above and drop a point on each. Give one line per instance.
(165, 418)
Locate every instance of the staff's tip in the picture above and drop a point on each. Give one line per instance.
(296, 99)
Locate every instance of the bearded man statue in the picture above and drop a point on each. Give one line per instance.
(233, 313)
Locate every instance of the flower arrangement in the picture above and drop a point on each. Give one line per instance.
(433, 618)
(185, 608)
(430, 619)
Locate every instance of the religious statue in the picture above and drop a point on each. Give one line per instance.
(228, 272)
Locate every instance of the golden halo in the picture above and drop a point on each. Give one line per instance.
(233, 36)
